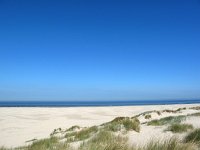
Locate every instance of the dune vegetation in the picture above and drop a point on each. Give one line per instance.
(148, 116)
(82, 134)
(106, 140)
(166, 120)
(122, 123)
(179, 128)
(193, 136)
(113, 135)
(195, 114)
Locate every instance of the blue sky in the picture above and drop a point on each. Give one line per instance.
(99, 50)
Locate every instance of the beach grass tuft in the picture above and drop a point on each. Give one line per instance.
(82, 134)
(105, 140)
(3, 148)
(169, 144)
(51, 143)
(166, 120)
(123, 122)
(148, 116)
(179, 128)
(159, 113)
(193, 136)
(131, 124)
(195, 108)
(195, 114)
(73, 128)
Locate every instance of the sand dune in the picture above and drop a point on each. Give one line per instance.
(20, 124)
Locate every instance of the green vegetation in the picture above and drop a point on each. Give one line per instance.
(147, 116)
(179, 109)
(47, 144)
(104, 137)
(195, 114)
(195, 108)
(158, 112)
(114, 126)
(3, 148)
(166, 120)
(179, 128)
(193, 136)
(119, 119)
(73, 128)
(55, 131)
(144, 113)
(174, 111)
(82, 134)
(106, 140)
(118, 123)
(32, 140)
(131, 124)
(170, 144)
(170, 111)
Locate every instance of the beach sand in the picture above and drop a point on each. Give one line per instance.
(20, 124)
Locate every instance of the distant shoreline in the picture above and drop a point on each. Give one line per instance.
(93, 103)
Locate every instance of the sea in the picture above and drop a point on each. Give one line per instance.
(93, 103)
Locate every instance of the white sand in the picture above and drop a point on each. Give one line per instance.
(20, 124)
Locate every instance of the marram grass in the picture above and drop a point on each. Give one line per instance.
(167, 120)
(179, 128)
(193, 136)
(107, 140)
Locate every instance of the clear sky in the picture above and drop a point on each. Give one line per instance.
(99, 49)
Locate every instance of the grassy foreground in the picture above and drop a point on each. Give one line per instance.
(109, 140)
(106, 140)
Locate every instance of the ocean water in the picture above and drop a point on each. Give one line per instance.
(92, 103)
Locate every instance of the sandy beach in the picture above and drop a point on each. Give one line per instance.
(20, 124)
